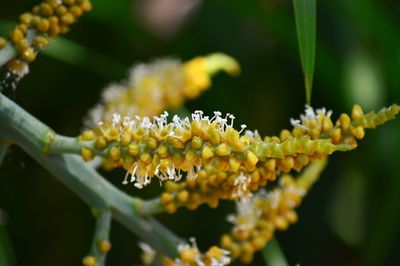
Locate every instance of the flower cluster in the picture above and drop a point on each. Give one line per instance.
(189, 255)
(258, 217)
(46, 20)
(313, 138)
(219, 162)
(160, 85)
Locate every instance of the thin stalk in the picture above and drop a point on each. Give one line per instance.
(273, 254)
(3, 149)
(6, 54)
(101, 235)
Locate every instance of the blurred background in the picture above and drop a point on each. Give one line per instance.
(350, 217)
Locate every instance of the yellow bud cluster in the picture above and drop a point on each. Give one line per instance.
(160, 85)
(48, 19)
(347, 129)
(258, 217)
(220, 163)
(313, 139)
(190, 255)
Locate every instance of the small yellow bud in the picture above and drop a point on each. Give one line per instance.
(251, 159)
(189, 256)
(152, 143)
(344, 121)
(89, 261)
(40, 42)
(104, 246)
(281, 223)
(86, 6)
(61, 10)
(215, 252)
(183, 196)
(287, 163)
(114, 153)
(112, 134)
(171, 186)
(133, 149)
(358, 132)
(170, 208)
(25, 18)
(356, 112)
(215, 138)
(327, 124)
(190, 156)
(222, 150)
(303, 159)
(336, 134)
(27, 55)
(76, 11)
(3, 42)
(126, 138)
(197, 142)
(233, 139)
(87, 154)
(101, 143)
(162, 151)
(166, 198)
(234, 164)
(226, 241)
(291, 216)
(87, 135)
(270, 164)
(285, 134)
(46, 10)
(206, 153)
(177, 158)
(213, 203)
(258, 243)
(16, 35)
(146, 158)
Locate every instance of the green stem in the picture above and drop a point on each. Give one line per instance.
(311, 174)
(101, 233)
(273, 254)
(6, 54)
(3, 149)
(34, 138)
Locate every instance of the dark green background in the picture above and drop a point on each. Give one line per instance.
(352, 215)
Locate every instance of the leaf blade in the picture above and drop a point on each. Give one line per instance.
(305, 16)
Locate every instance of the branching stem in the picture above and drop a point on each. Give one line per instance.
(35, 138)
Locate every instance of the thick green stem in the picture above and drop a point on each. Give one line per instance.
(34, 138)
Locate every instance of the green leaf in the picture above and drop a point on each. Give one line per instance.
(305, 14)
(273, 255)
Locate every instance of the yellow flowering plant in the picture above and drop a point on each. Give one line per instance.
(199, 159)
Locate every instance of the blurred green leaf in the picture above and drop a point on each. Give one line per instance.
(348, 201)
(305, 14)
(6, 252)
(75, 54)
(363, 80)
(273, 255)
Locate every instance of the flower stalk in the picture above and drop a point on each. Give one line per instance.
(34, 137)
